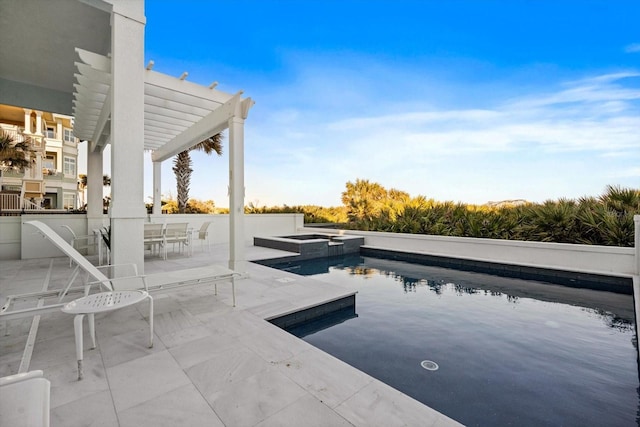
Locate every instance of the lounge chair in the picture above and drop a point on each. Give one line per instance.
(100, 302)
(137, 289)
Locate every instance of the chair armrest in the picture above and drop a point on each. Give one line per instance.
(133, 267)
(20, 377)
(90, 240)
(25, 399)
(123, 283)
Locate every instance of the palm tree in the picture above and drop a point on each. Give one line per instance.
(15, 155)
(182, 167)
(83, 183)
(363, 200)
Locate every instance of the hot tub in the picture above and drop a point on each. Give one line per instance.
(310, 246)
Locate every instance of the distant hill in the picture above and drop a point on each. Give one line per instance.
(507, 203)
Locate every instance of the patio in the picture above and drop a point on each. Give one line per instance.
(211, 364)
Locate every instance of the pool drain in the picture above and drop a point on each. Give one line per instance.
(429, 365)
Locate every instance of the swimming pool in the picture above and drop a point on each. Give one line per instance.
(504, 351)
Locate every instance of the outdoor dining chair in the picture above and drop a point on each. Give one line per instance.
(154, 238)
(203, 235)
(81, 243)
(177, 233)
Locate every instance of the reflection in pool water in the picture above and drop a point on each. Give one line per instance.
(509, 351)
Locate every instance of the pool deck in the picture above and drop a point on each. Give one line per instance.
(212, 364)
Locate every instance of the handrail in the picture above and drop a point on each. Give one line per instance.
(28, 205)
(12, 202)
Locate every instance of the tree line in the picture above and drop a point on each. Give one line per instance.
(603, 220)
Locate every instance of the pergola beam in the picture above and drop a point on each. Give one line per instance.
(183, 86)
(209, 125)
(180, 97)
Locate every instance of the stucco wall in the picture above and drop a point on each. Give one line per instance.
(254, 224)
(17, 241)
(584, 258)
(32, 244)
(10, 237)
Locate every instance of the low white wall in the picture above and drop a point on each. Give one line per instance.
(20, 242)
(33, 245)
(10, 230)
(581, 258)
(254, 224)
(17, 241)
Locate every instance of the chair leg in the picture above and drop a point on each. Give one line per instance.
(233, 290)
(77, 327)
(92, 328)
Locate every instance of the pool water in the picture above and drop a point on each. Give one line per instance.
(507, 352)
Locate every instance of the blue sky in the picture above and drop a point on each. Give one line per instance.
(469, 101)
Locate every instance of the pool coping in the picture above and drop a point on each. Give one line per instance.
(617, 283)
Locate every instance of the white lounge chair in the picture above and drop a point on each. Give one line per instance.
(100, 302)
(138, 287)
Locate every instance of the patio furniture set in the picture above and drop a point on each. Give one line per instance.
(113, 292)
(157, 238)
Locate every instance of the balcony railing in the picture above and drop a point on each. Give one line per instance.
(10, 202)
(17, 134)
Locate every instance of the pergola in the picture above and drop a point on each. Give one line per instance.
(94, 70)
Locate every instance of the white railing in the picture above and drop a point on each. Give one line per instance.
(28, 205)
(10, 202)
(15, 134)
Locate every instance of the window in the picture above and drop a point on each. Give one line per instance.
(68, 135)
(70, 166)
(69, 201)
(49, 164)
(51, 132)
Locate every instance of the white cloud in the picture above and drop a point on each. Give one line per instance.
(632, 48)
(306, 138)
(602, 117)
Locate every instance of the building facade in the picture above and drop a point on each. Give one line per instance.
(52, 180)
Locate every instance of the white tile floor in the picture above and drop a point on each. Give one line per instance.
(211, 364)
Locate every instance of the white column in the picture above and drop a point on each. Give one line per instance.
(27, 120)
(157, 188)
(95, 217)
(58, 129)
(636, 278)
(127, 133)
(636, 221)
(237, 260)
(38, 130)
(94, 190)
